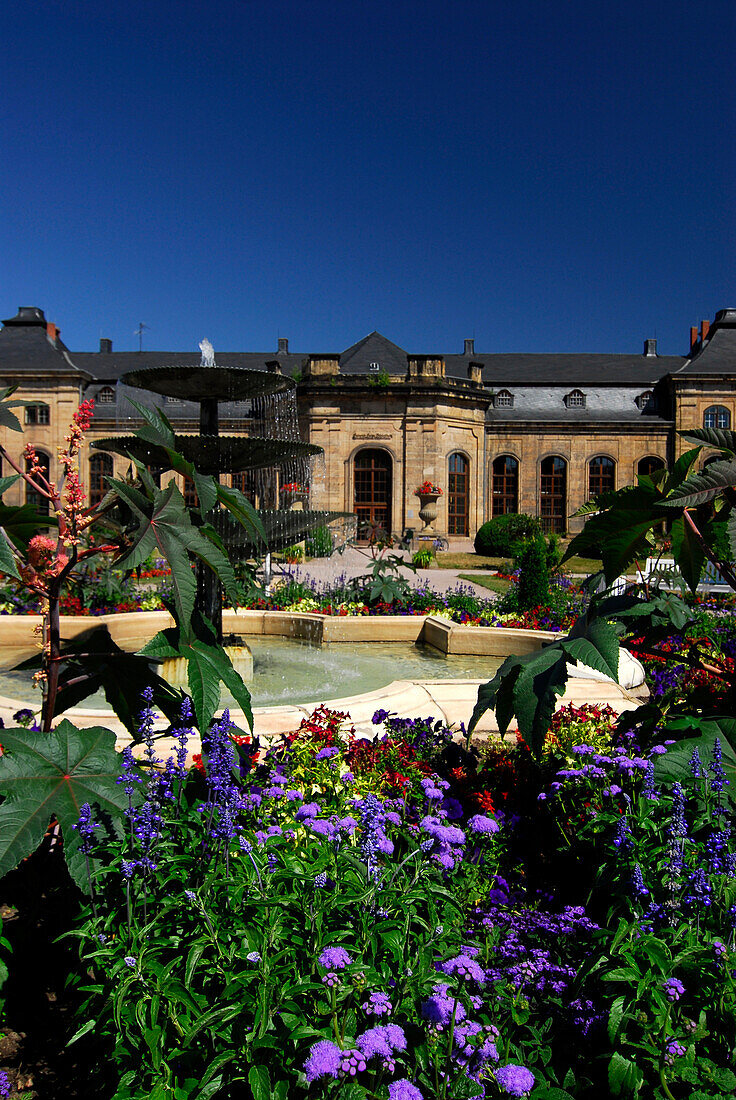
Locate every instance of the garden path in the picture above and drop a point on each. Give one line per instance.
(354, 562)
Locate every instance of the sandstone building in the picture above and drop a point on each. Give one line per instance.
(498, 432)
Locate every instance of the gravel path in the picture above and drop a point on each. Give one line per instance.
(353, 562)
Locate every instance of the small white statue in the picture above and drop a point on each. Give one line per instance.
(208, 353)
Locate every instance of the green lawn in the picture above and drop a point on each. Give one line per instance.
(495, 584)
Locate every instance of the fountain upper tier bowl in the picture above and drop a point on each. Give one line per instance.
(205, 383)
(212, 454)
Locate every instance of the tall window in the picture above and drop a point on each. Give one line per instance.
(647, 466)
(245, 482)
(38, 414)
(553, 494)
(457, 495)
(601, 476)
(717, 416)
(41, 504)
(100, 467)
(372, 478)
(505, 485)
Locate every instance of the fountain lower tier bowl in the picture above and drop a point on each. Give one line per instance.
(211, 454)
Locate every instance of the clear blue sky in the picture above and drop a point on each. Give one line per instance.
(541, 176)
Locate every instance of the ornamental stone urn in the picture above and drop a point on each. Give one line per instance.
(428, 511)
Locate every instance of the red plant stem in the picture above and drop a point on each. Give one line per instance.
(723, 568)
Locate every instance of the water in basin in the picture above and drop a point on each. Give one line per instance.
(288, 671)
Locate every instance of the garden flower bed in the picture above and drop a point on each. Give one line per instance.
(403, 919)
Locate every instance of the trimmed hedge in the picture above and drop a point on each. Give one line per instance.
(501, 535)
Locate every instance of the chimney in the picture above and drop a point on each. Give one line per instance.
(693, 336)
(105, 346)
(469, 347)
(52, 331)
(475, 372)
(650, 348)
(283, 346)
(704, 329)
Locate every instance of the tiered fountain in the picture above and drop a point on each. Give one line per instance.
(276, 456)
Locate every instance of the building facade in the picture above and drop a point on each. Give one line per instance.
(540, 434)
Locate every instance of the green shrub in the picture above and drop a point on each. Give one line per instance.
(533, 588)
(497, 537)
(319, 543)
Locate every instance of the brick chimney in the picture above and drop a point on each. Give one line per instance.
(283, 346)
(693, 336)
(52, 331)
(105, 346)
(469, 347)
(704, 329)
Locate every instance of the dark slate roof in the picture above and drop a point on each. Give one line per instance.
(511, 368)
(717, 354)
(373, 348)
(539, 414)
(108, 366)
(25, 347)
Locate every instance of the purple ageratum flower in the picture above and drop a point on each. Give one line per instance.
(324, 1060)
(515, 1080)
(403, 1090)
(382, 1042)
(309, 809)
(352, 1062)
(379, 717)
(464, 966)
(334, 957)
(327, 752)
(438, 1009)
(378, 1004)
(674, 1050)
(131, 961)
(482, 824)
(6, 1086)
(673, 989)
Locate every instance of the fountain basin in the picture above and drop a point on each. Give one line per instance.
(451, 700)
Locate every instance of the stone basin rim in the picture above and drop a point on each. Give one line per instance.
(449, 699)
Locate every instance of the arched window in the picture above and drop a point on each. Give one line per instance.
(553, 494)
(601, 476)
(717, 416)
(105, 396)
(38, 414)
(575, 399)
(458, 490)
(41, 504)
(100, 467)
(647, 466)
(503, 399)
(505, 485)
(372, 480)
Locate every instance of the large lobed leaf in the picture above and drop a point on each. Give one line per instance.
(208, 665)
(45, 775)
(702, 487)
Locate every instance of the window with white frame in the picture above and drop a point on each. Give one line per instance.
(106, 396)
(504, 399)
(717, 416)
(575, 399)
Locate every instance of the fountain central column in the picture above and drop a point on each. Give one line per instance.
(209, 589)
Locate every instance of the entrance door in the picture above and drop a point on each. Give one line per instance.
(553, 494)
(372, 500)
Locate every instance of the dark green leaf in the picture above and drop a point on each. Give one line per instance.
(624, 1077)
(6, 482)
(706, 485)
(687, 552)
(21, 523)
(52, 774)
(720, 438)
(599, 648)
(260, 1083)
(156, 427)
